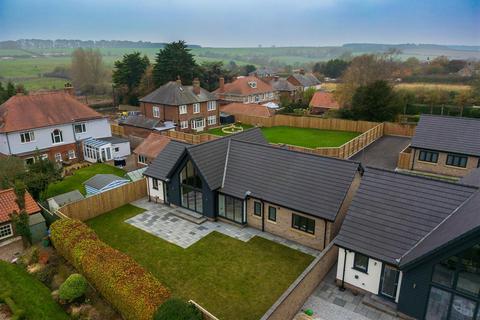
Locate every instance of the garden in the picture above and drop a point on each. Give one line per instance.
(303, 137)
(230, 278)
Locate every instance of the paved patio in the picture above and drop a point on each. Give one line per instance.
(383, 153)
(328, 302)
(159, 220)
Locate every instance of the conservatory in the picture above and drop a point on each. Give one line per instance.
(97, 150)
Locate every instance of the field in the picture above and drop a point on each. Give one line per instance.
(234, 280)
(433, 86)
(29, 294)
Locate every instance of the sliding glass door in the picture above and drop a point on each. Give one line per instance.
(230, 208)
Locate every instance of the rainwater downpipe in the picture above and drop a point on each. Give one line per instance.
(342, 288)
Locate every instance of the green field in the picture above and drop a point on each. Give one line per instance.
(234, 280)
(29, 294)
(75, 181)
(303, 137)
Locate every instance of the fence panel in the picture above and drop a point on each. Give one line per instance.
(106, 201)
(404, 160)
(397, 129)
(189, 137)
(117, 130)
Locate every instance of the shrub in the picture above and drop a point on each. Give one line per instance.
(177, 309)
(73, 288)
(133, 291)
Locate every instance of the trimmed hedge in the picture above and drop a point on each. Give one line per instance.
(133, 291)
(177, 309)
(73, 288)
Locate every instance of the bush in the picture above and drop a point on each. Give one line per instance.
(73, 288)
(133, 291)
(177, 309)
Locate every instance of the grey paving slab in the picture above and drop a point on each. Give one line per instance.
(383, 153)
(159, 221)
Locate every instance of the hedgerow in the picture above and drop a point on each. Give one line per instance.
(133, 291)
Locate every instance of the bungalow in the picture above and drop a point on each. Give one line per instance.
(303, 81)
(414, 242)
(322, 102)
(103, 182)
(141, 126)
(149, 149)
(243, 180)
(446, 145)
(246, 90)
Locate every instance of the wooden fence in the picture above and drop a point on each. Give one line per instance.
(405, 159)
(189, 137)
(292, 300)
(117, 130)
(398, 129)
(106, 201)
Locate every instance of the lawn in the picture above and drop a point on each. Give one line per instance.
(303, 137)
(233, 279)
(218, 131)
(29, 294)
(74, 182)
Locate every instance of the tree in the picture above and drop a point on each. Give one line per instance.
(211, 72)
(248, 68)
(375, 102)
(40, 174)
(174, 60)
(11, 169)
(88, 71)
(130, 70)
(308, 95)
(21, 225)
(333, 68)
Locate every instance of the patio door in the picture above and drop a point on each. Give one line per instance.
(389, 282)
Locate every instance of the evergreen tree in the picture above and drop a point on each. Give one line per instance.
(129, 71)
(174, 60)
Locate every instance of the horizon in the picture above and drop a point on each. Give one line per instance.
(307, 23)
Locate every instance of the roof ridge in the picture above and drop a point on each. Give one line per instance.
(448, 116)
(6, 190)
(227, 137)
(437, 226)
(226, 163)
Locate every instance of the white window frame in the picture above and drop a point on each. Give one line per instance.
(182, 109)
(28, 135)
(58, 157)
(142, 159)
(54, 136)
(6, 231)
(82, 126)
(196, 108)
(212, 120)
(156, 111)
(44, 156)
(257, 98)
(29, 158)
(71, 154)
(184, 124)
(211, 105)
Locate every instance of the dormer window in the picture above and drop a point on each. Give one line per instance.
(57, 136)
(252, 84)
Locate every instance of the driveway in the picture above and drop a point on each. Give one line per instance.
(383, 153)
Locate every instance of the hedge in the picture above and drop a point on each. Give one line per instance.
(133, 291)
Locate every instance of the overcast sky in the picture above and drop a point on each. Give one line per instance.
(245, 22)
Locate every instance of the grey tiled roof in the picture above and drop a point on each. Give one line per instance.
(307, 79)
(449, 134)
(472, 179)
(141, 122)
(101, 180)
(391, 212)
(68, 197)
(175, 94)
(282, 84)
(166, 160)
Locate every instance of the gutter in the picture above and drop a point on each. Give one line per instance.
(8, 144)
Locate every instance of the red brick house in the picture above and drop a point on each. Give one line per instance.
(191, 108)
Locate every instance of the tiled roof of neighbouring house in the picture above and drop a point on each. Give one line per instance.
(152, 145)
(23, 112)
(141, 121)
(176, 94)
(249, 109)
(307, 79)
(244, 86)
(449, 134)
(281, 84)
(8, 204)
(244, 162)
(392, 212)
(323, 99)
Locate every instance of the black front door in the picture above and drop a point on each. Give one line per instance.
(389, 282)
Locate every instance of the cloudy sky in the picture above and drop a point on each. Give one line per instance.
(245, 22)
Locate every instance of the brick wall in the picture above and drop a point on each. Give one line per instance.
(441, 168)
(63, 150)
(346, 204)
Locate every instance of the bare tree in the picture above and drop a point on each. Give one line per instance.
(88, 71)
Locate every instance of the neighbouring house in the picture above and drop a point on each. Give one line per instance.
(50, 126)
(263, 72)
(8, 205)
(149, 149)
(445, 145)
(105, 149)
(244, 180)
(54, 203)
(303, 81)
(191, 108)
(284, 88)
(322, 102)
(415, 242)
(247, 109)
(138, 127)
(246, 90)
(103, 182)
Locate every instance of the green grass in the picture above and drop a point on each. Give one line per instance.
(218, 131)
(44, 83)
(303, 137)
(29, 294)
(74, 182)
(233, 279)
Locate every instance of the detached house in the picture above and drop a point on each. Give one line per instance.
(246, 90)
(415, 242)
(446, 145)
(303, 81)
(51, 125)
(243, 180)
(191, 108)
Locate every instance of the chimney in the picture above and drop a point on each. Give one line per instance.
(276, 78)
(196, 86)
(179, 81)
(302, 71)
(68, 88)
(221, 82)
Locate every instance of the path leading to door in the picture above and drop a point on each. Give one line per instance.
(383, 153)
(159, 220)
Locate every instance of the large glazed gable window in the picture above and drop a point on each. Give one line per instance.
(191, 188)
(57, 136)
